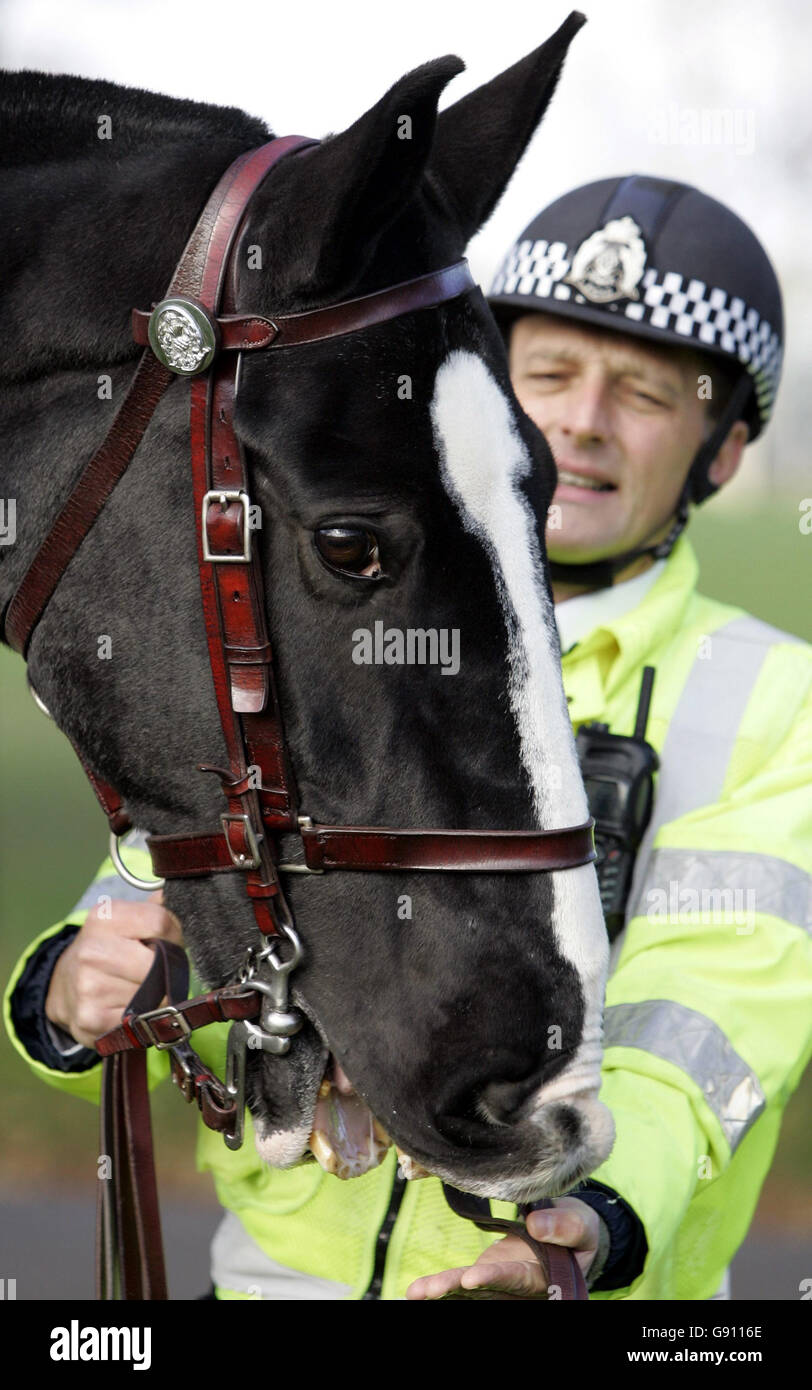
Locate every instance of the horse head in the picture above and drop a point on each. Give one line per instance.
(403, 496)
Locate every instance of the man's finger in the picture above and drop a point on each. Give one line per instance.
(526, 1280)
(102, 960)
(436, 1285)
(572, 1226)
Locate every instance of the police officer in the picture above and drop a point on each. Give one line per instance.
(644, 326)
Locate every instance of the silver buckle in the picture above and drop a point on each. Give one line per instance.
(165, 1012)
(307, 823)
(239, 860)
(216, 495)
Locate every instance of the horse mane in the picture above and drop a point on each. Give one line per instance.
(52, 116)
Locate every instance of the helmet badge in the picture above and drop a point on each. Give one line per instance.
(609, 264)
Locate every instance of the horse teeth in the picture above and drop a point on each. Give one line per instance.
(324, 1152)
(324, 1089)
(410, 1168)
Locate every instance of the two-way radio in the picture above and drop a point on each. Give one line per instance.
(618, 773)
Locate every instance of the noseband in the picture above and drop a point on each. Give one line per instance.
(197, 331)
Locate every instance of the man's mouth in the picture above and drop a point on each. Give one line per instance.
(579, 480)
(346, 1139)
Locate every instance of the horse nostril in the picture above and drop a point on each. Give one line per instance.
(485, 1105)
(500, 1101)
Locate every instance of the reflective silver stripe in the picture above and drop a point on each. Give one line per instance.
(697, 1045)
(112, 887)
(741, 883)
(703, 730)
(238, 1264)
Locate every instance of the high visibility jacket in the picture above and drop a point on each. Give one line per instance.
(708, 1024)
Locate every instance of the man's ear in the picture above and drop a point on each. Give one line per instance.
(729, 456)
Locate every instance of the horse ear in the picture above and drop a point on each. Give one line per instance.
(369, 172)
(482, 137)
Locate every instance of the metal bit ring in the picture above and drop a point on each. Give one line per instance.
(147, 885)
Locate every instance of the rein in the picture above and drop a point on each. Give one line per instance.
(197, 331)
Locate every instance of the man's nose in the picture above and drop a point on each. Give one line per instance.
(585, 415)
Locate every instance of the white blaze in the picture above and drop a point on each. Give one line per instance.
(483, 460)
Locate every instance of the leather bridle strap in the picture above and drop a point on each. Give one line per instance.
(558, 1263)
(232, 594)
(129, 1245)
(86, 501)
(478, 851)
(147, 1025)
(242, 332)
(382, 848)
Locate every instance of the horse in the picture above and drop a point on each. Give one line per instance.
(401, 490)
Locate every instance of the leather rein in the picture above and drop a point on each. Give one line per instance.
(197, 331)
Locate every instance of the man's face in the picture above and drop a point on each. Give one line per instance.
(621, 412)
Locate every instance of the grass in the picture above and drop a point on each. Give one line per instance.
(53, 837)
(758, 560)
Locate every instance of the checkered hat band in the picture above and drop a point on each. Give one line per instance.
(704, 313)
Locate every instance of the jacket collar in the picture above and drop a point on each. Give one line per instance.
(627, 622)
(577, 617)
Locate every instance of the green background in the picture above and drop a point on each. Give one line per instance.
(53, 837)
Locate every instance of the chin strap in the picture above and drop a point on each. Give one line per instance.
(600, 574)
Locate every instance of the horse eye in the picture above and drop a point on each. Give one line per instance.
(350, 550)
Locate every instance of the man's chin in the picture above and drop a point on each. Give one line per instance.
(584, 544)
(574, 538)
(579, 548)
(582, 554)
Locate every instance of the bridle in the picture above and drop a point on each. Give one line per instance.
(197, 331)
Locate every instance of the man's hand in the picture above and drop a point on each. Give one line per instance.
(508, 1270)
(96, 976)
